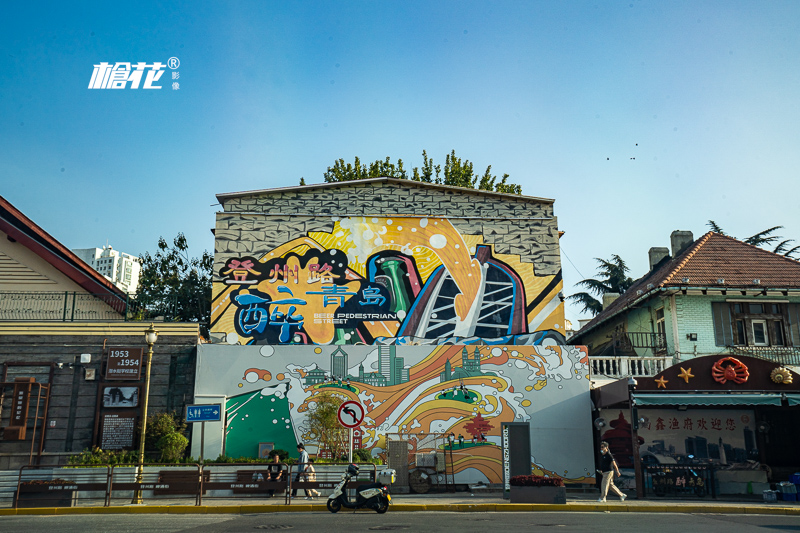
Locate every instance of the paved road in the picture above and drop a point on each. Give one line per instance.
(399, 521)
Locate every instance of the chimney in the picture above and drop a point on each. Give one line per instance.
(680, 240)
(608, 299)
(656, 255)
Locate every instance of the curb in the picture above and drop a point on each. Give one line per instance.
(411, 507)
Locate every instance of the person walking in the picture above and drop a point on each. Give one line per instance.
(302, 466)
(311, 475)
(608, 467)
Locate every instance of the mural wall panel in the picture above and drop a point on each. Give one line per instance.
(421, 393)
(401, 280)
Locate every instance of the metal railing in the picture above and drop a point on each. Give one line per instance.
(693, 481)
(623, 367)
(72, 306)
(627, 341)
(786, 355)
(48, 486)
(67, 306)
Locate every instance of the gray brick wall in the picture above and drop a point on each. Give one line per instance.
(253, 225)
(73, 399)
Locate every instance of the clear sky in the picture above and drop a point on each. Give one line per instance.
(561, 95)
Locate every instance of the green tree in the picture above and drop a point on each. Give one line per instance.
(612, 278)
(764, 239)
(456, 172)
(174, 285)
(322, 425)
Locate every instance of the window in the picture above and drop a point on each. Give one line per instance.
(760, 336)
(661, 338)
(756, 323)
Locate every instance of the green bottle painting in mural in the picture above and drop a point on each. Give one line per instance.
(259, 416)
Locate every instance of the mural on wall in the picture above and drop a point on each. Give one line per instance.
(396, 280)
(418, 393)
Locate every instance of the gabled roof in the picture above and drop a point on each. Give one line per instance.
(26, 232)
(405, 183)
(714, 261)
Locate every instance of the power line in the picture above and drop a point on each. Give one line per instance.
(571, 263)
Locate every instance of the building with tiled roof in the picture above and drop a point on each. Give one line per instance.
(60, 320)
(714, 295)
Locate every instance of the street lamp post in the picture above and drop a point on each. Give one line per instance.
(637, 462)
(150, 337)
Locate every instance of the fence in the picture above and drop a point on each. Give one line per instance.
(694, 481)
(70, 306)
(41, 486)
(620, 367)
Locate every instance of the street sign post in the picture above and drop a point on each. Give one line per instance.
(350, 415)
(203, 413)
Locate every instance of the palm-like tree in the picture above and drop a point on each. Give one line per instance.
(764, 238)
(613, 278)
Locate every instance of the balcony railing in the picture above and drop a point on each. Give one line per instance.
(622, 367)
(61, 306)
(625, 342)
(785, 355)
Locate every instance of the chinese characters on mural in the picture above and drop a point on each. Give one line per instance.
(381, 278)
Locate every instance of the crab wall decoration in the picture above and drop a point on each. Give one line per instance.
(729, 369)
(781, 375)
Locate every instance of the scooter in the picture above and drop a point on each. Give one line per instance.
(370, 496)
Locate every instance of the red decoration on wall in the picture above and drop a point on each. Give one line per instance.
(729, 369)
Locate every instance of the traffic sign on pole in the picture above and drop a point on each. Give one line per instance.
(204, 413)
(350, 414)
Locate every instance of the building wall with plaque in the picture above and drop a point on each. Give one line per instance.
(59, 319)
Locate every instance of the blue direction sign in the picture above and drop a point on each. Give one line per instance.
(204, 413)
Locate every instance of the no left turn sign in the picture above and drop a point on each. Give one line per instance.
(350, 414)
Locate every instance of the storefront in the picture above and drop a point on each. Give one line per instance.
(737, 419)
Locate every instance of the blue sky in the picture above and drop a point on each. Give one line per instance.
(561, 95)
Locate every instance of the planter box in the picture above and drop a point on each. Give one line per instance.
(28, 498)
(538, 494)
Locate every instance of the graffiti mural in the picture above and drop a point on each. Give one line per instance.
(416, 392)
(386, 280)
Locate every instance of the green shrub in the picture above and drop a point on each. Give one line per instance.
(172, 446)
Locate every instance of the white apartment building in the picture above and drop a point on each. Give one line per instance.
(120, 268)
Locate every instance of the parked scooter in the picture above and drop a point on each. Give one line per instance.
(370, 495)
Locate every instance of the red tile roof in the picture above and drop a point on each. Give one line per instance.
(712, 261)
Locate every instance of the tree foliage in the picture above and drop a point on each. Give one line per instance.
(612, 278)
(764, 239)
(174, 285)
(322, 426)
(455, 172)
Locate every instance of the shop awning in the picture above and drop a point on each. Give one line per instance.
(794, 399)
(712, 399)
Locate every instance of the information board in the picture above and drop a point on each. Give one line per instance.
(118, 431)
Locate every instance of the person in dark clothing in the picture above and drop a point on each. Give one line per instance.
(275, 470)
(608, 467)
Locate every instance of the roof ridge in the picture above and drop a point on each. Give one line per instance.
(689, 254)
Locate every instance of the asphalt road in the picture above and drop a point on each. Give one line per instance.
(404, 521)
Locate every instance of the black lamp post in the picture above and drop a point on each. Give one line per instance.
(637, 463)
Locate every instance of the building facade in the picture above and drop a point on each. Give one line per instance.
(372, 290)
(60, 324)
(120, 268)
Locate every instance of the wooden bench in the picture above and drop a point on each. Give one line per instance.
(179, 482)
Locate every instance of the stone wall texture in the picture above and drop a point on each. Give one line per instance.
(257, 223)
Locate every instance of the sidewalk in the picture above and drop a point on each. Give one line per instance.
(457, 502)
